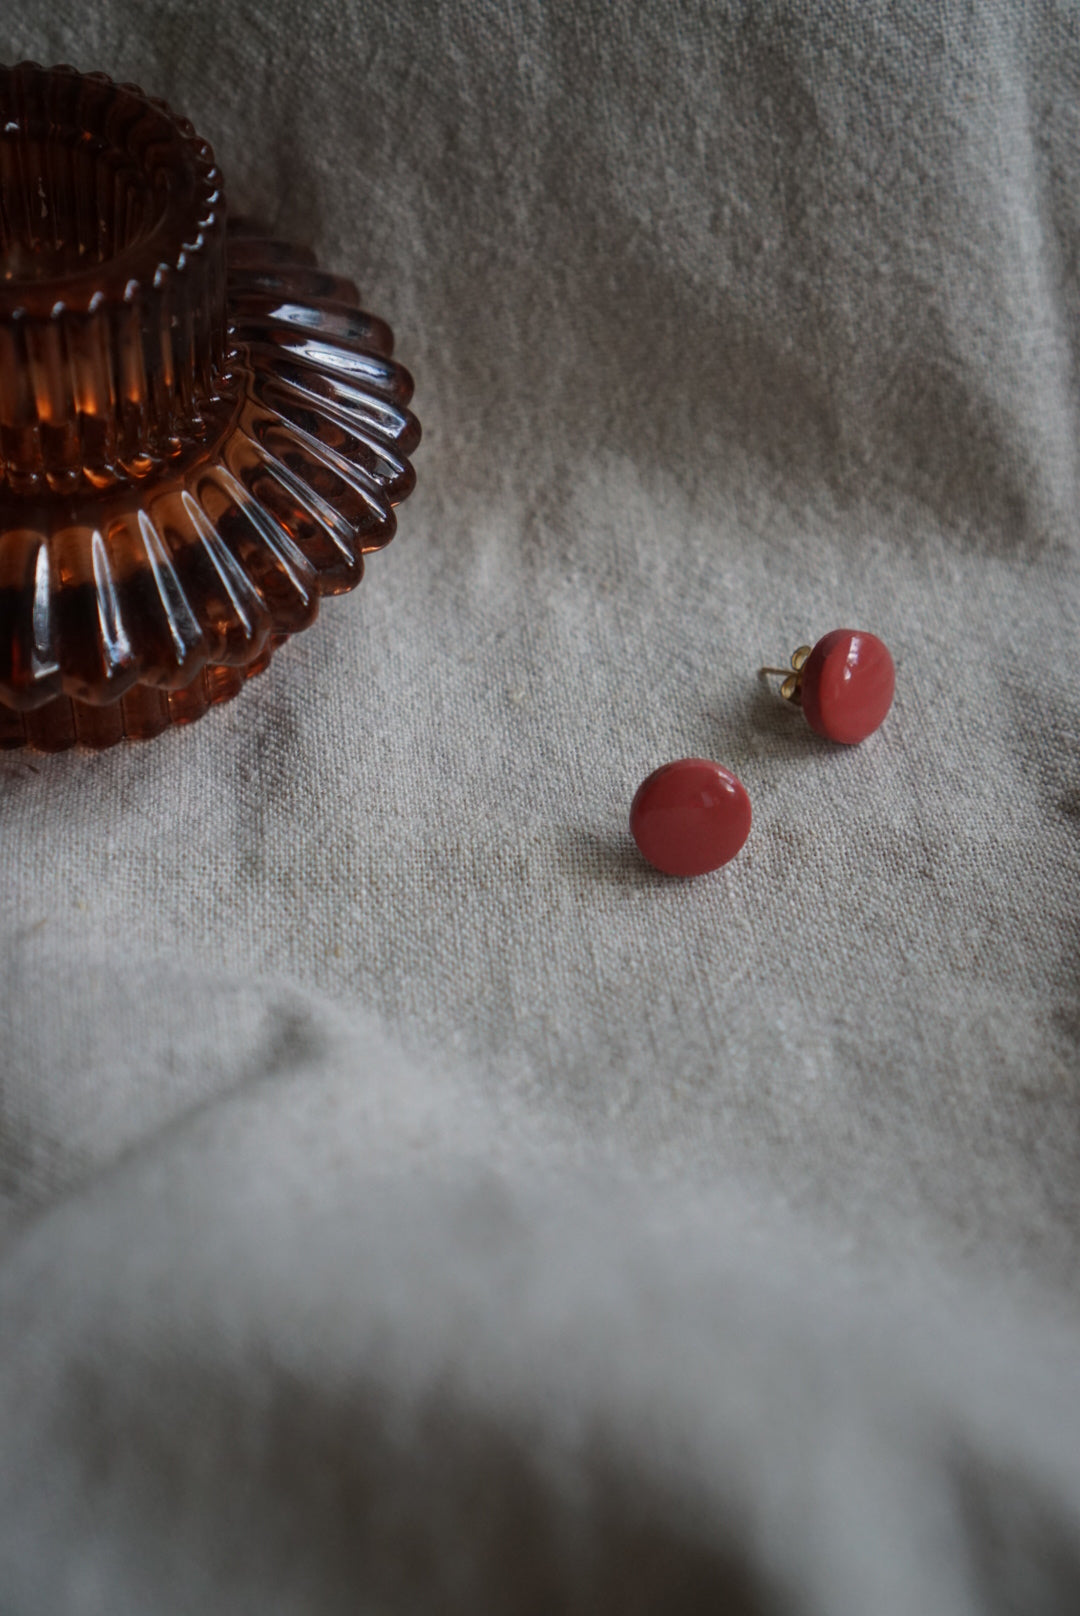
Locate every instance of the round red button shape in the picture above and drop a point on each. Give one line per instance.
(690, 817)
(848, 682)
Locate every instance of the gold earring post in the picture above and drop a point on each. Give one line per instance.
(791, 689)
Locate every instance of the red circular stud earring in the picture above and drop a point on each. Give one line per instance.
(690, 817)
(844, 684)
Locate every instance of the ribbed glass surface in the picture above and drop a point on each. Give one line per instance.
(200, 432)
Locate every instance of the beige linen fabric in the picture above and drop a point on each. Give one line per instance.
(412, 1202)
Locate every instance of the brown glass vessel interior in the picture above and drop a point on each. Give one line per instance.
(112, 280)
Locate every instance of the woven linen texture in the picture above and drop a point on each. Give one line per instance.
(412, 1202)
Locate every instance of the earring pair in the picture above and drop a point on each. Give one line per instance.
(693, 815)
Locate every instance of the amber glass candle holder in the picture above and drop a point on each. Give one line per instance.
(201, 434)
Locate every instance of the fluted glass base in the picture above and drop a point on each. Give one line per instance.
(201, 434)
(133, 607)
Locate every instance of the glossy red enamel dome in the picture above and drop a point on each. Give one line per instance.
(690, 817)
(847, 685)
